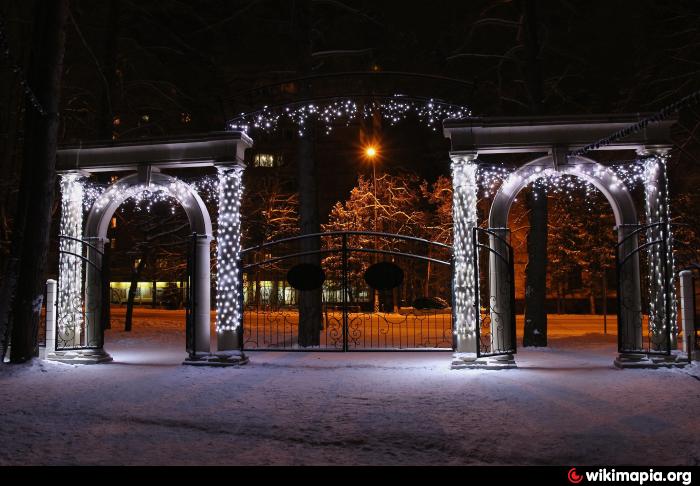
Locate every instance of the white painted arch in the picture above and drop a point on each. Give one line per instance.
(587, 169)
(102, 212)
(625, 213)
(104, 207)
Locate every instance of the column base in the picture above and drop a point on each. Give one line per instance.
(652, 361)
(220, 358)
(462, 361)
(79, 356)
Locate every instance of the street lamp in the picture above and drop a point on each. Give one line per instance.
(371, 154)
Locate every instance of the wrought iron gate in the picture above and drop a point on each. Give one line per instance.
(494, 292)
(82, 304)
(646, 318)
(347, 291)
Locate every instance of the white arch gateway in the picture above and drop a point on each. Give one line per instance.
(81, 313)
(82, 300)
(554, 138)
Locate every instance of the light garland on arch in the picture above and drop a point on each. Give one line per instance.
(228, 246)
(330, 112)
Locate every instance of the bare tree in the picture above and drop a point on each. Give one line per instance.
(25, 277)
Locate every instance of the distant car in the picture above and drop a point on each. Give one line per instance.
(430, 303)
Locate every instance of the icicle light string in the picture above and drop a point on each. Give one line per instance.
(7, 56)
(336, 110)
(489, 178)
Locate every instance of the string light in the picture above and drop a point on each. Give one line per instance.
(464, 199)
(392, 109)
(70, 295)
(660, 115)
(661, 289)
(228, 247)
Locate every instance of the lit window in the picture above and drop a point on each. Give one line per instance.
(113, 243)
(267, 160)
(114, 222)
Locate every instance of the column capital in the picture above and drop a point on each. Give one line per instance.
(77, 172)
(653, 150)
(462, 157)
(230, 165)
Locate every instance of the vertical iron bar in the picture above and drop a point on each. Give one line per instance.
(667, 307)
(345, 291)
(105, 297)
(193, 293)
(475, 256)
(511, 274)
(58, 297)
(241, 304)
(620, 328)
(452, 287)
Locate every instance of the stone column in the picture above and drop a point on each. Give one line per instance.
(662, 295)
(229, 284)
(94, 293)
(70, 267)
(465, 316)
(202, 301)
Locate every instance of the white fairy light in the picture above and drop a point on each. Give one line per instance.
(392, 109)
(661, 264)
(464, 198)
(228, 245)
(70, 290)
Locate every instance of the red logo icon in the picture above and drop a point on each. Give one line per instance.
(574, 477)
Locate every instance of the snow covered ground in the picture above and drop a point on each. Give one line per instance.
(565, 405)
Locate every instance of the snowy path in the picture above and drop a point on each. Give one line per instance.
(565, 405)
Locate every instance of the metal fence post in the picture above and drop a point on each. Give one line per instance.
(51, 294)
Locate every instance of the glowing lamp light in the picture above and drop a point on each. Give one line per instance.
(371, 152)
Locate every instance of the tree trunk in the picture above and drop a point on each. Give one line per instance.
(135, 275)
(30, 241)
(274, 293)
(109, 68)
(535, 332)
(310, 318)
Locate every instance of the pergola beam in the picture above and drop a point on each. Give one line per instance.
(165, 153)
(498, 135)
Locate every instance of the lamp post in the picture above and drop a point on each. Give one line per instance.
(371, 154)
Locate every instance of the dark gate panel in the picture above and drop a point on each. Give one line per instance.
(311, 292)
(494, 290)
(646, 324)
